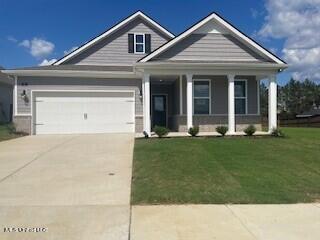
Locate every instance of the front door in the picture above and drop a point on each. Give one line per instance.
(159, 110)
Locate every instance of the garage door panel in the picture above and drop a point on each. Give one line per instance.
(84, 113)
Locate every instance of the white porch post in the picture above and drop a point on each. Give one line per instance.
(189, 101)
(146, 103)
(272, 98)
(258, 96)
(180, 88)
(15, 93)
(231, 106)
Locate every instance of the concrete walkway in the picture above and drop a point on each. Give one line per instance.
(225, 222)
(75, 186)
(202, 134)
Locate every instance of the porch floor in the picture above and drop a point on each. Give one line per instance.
(202, 134)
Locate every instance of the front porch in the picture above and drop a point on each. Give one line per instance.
(207, 100)
(203, 134)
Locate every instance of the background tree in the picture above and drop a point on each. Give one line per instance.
(263, 100)
(294, 98)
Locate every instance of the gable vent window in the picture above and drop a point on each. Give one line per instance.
(139, 43)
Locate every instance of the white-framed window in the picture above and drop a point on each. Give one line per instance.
(240, 96)
(202, 96)
(139, 43)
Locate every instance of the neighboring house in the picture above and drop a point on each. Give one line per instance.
(5, 98)
(313, 112)
(137, 75)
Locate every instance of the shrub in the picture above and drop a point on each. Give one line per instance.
(250, 130)
(276, 132)
(161, 131)
(222, 130)
(11, 128)
(193, 131)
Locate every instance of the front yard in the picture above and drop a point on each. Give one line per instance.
(7, 132)
(230, 170)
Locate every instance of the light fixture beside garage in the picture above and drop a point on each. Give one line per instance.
(24, 96)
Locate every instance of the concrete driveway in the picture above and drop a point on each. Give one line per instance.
(74, 186)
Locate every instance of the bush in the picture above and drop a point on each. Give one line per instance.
(193, 131)
(276, 132)
(222, 130)
(161, 131)
(250, 130)
(11, 128)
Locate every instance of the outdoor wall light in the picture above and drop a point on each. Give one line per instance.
(24, 96)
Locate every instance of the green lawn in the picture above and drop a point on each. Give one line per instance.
(7, 132)
(230, 170)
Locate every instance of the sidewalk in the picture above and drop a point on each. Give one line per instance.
(207, 222)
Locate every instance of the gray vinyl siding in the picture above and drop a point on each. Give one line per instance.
(114, 48)
(210, 47)
(54, 83)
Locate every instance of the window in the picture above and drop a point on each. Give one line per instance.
(201, 97)
(240, 95)
(139, 43)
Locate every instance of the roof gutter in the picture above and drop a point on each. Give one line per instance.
(209, 66)
(71, 73)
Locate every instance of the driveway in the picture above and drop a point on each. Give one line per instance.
(75, 186)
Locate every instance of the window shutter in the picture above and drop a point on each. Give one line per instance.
(148, 43)
(130, 43)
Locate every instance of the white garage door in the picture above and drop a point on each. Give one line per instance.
(83, 112)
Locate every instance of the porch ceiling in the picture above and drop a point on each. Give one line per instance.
(165, 79)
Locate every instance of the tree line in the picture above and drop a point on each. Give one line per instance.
(294, 98)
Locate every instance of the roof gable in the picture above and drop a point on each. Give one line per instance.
(215, 24)
(210, 47)
(112, 30)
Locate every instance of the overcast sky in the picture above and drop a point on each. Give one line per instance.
(39, 31)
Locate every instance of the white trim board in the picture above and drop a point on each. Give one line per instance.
(113, 29)
(246, 40)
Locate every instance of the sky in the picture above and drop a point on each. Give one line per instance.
(36, 32)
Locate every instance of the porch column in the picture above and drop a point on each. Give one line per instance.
(180, 93)
(15, 94)
(258, 97)
(272, 98)
(189, 101)
(146, 103)
(231, 106)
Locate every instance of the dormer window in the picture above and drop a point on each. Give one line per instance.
(139, 43)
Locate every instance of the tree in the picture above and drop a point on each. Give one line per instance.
(293, 98)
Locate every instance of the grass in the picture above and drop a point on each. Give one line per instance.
(7, 132)
(228, 170)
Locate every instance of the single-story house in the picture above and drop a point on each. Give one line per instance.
(137, 74)
(5, 98)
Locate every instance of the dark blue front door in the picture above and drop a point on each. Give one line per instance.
(159, 110)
